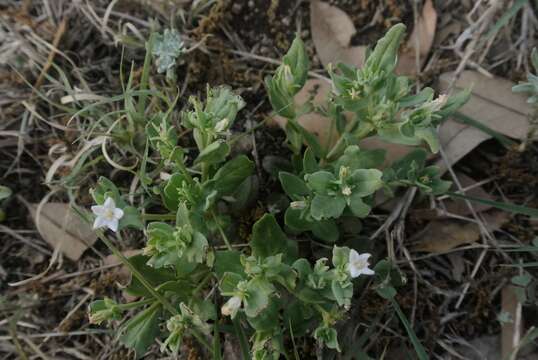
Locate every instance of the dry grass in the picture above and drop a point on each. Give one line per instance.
(57, 56)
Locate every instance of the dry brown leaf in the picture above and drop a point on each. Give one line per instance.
(492, 103)
(320, 125)
(440, 236)
(421, 38)
(459, 206)
(59, 226)
(332, 30)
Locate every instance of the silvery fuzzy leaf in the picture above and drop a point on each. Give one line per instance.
(167, 48)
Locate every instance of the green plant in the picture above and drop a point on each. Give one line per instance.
(195, 271)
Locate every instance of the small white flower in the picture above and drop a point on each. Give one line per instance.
(107, 215)
(222, 125)
(298, 205)
(358, 264)
(231, 307)
(346, 190)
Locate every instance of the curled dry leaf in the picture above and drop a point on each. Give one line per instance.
(60, 226)
(440, 236)
(332, 30)
(420, 42)
(319, 125)
(493, 104)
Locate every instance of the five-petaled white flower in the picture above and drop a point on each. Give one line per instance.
(358, 264)
(107, 215)
(231, 307)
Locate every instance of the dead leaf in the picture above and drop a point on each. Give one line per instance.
(332, 30)
(440, 236)
(459, 206)
(320, 125)
(60, 226)
(492, 103)
(421, 38)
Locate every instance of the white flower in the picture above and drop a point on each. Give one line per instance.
(298, 205)
(107, 215)
(358, 264)
(222, 125)
(346, 190)
(231, 307)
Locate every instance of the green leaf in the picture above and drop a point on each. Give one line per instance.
(419, 349)
(341, 294)
(293, 185)
(257, 296)
(326, 230)
(167, 48)
(154, 276)
(358, 207)
(214, 153)
(310, 164)
(326, 207)
(228, 261)
(228, 282)
(267, 320)
(5, 192)
(232, 174)
(267, 237)
(522, 280)
(131, 219)
(140, 332)
(383, 57)
(366, 181)
(170, 194)
(340, 257)
(355, 158)
(319, 181)
(197, 249)
(106, 188)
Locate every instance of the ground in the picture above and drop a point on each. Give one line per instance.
(47, 317)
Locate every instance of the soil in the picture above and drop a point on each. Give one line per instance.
(265, 28)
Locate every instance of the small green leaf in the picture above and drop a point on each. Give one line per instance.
(214, 153)
(140, 332)
(131, 219)
(366, 181)
(232, 174)
(228, 261)
(267, 237)
(5, 192)
(319, 181)
(310, 164)
(522, 280)
(326, 207)
(293, 185)
(257, 298)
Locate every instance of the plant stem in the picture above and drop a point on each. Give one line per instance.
(221, 231)
(137, 274)
(152, 217)
(134, 304)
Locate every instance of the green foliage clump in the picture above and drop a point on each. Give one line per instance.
(194, 272)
